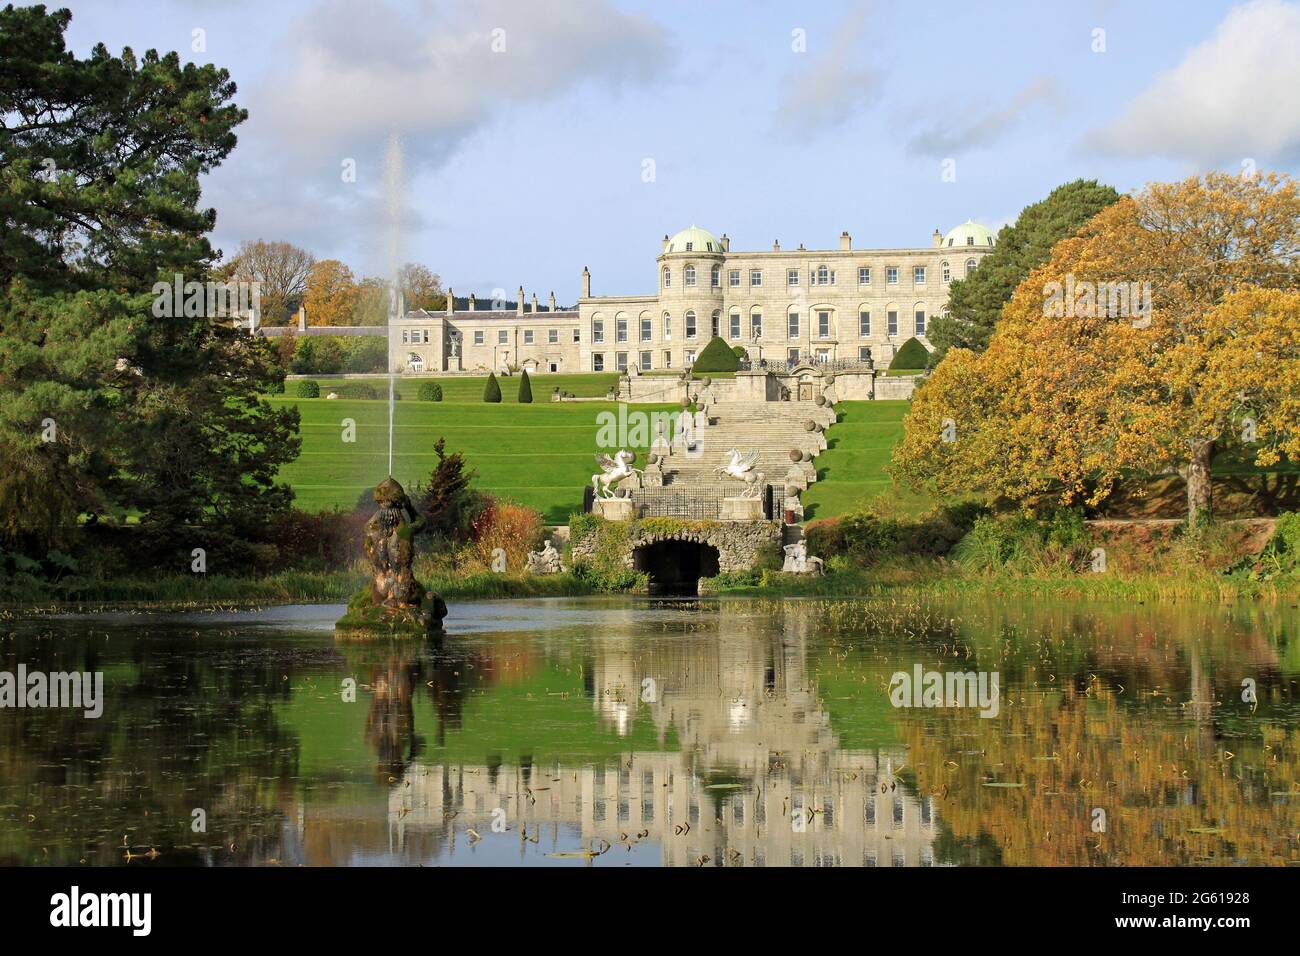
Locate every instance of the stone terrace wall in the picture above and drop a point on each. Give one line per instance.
(739, 543)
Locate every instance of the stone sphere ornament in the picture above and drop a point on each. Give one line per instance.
(796, 454)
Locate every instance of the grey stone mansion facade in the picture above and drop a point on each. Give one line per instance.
(830, 304)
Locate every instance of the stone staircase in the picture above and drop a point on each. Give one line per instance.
(773, 429)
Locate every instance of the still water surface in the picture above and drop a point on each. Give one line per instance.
(586, 732)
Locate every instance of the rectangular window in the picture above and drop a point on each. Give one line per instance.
(756, 324)
(891, 322)
(792, 356)
(597, 362)
(792, 277)
(668, 359)
(823, 325)
(734, 325)
(864, 323)
(792, 325)
(864, 275)
(598, 330)
(715, 277)
(947, 273)
(528, 336)
(920, 321)
(690, 276)
(478, 337)
(620, 330)
(502, 336)
(647, 330)
(864, 353)
(755, 277)
(645, 361)
(733, 278)
(620, 361)
(668, 328)
(891, 275)
(690, 356)
(823, 355)
(553, 336)
(577, 335)
(406, 337)
(690, 325)
(918, 275)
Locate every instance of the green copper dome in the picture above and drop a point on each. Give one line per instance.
(969, 233)
(694, 239)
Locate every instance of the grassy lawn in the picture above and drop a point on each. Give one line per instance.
(852, 469)
(539, 455)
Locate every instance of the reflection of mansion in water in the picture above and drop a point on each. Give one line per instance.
(758, 778)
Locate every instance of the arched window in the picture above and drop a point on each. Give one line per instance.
(715, 277)
(689, 281)
(668, 327)
(947, 273)
(690, 324)
(970, 266)
(823, 275)
(668, 277)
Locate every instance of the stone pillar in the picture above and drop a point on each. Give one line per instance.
(302, 318)
(451, 302)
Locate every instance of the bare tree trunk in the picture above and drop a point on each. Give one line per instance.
(1197, 473)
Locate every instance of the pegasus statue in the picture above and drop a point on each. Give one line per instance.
(742, 467)
(613, 470)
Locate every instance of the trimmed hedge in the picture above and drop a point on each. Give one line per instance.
(717, 356)
(492, 391)
(430, 392)
(306, 389)
(525, 390)
(913, 356)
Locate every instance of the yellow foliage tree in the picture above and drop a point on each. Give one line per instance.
(332, 293)
(1166, 329)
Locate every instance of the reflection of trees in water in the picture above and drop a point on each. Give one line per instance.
(179, 731)
(1171, 795)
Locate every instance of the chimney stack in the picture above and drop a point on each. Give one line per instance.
(846, 241)
(534, 301)
(665, 245)
(937, 239)
(519, 302)
(473, 302)
(552, 300)
(776, 246)
(726, 243)
(586, 283)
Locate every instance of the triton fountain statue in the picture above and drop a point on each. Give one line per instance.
(394, 603)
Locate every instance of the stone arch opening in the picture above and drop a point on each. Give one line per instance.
(675, 567)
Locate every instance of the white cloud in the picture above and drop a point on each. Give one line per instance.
(1235, 96)
(984, 128)
(833, 84)
(427, 69)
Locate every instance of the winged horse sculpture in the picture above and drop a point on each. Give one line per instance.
(613, 470)
(742, 467)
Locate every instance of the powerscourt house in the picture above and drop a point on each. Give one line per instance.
(788, 305)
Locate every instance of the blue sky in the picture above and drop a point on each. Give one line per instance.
(523, 163)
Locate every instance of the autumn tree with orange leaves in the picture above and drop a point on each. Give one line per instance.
(1167, 329)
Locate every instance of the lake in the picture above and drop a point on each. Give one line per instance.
(634, 732)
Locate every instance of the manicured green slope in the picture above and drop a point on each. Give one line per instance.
(539, 455)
